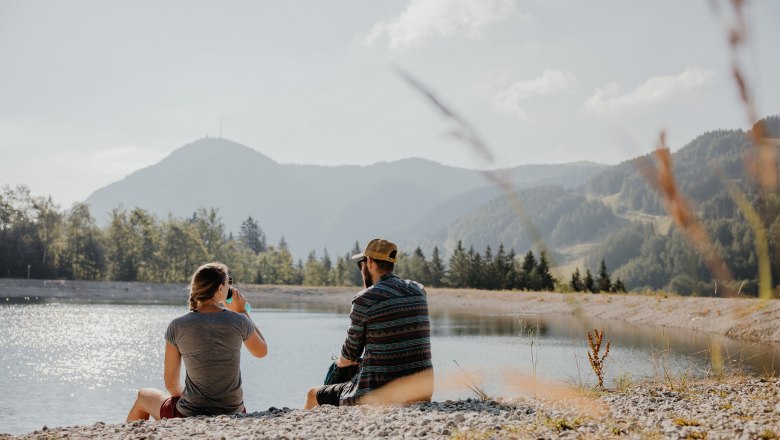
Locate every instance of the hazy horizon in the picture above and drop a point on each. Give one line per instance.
(91, 92)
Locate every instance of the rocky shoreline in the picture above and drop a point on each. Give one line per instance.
(723, 408)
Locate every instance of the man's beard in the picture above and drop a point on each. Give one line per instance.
(367, 281)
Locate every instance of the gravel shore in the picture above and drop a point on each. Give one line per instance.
(728, 408)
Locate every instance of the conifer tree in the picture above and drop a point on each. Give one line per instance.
(326, 263)
(252, 236)
(529, 276)
(418, 266)
(512, 278)
(437, 270)
(546, 280)
(603, 283)
(501, 270)
(459, 267)
(576, 281)
(488, 276)
(588, 284)
(474, 275)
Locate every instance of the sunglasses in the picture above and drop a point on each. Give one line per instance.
(360, 263)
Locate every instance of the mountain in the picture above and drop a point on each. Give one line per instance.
(561, 217)
(315, 207)
(617, 215)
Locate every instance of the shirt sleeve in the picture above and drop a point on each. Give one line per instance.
(356, 334)
(170, 334)
(248, 328)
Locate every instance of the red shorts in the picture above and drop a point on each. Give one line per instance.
(168, 409)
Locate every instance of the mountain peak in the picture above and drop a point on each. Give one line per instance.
(211, 148)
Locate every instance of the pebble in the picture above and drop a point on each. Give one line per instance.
(729, 409)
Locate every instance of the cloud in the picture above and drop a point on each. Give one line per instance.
(549, 83)
(656, 90)
(423, 20)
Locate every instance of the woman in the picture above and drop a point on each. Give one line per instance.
(209, 339)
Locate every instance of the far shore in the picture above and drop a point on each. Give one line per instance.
(746, 319)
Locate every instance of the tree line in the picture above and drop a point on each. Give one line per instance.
(472, 269)
(40, 240)
(602, 282)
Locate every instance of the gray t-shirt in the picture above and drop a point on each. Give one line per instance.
(210, 345)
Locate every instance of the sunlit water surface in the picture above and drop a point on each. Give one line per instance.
(69, 364)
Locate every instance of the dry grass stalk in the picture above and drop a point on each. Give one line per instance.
(465, 133)
(597, 360)
(761, 240)
(661, 177)
(477, 388)
(762, 163)
(557, 393)
(417, 387)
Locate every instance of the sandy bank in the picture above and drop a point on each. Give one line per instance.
(740, 318)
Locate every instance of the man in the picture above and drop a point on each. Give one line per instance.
(389, 338)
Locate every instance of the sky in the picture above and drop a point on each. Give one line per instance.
(91, 91)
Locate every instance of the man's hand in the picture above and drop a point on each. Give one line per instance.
(342, 362)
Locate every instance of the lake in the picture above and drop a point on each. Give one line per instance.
(67, 363)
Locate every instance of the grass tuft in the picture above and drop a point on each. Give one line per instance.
(477, 388)
(682, 421)
(624, 383)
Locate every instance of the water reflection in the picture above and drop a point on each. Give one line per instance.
(753, 357)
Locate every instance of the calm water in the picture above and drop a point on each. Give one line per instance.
(68, 364)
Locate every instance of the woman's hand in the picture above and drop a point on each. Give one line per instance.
(238, 304)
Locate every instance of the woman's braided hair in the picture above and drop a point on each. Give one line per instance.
(205, 282)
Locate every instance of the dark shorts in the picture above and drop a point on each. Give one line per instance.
(330, 394)
(168, 409)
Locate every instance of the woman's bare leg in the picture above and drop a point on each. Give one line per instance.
(147, 404)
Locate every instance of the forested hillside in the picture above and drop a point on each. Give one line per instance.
(645, 257)
(562, 217)
(618, 217)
